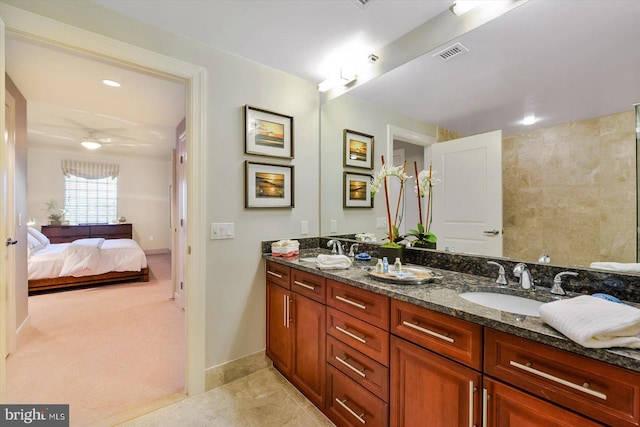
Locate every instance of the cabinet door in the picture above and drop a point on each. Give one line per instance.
(507, 406)
(308, 324)
(429, 390)
(279, 343)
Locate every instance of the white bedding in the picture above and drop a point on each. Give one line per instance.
(83, 258)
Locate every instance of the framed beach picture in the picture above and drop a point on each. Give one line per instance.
(268, 185)
(357, 191)
(268, 133)
(358, 149)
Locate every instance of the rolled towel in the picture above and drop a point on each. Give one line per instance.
(622, 267)
(594, 322)
(333, 262)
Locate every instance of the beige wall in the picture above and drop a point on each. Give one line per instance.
(571, 189)
(143, 191)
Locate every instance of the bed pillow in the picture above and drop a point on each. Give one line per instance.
(33, 244)
(44, 240)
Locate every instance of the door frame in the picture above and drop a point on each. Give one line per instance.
(56, 33)
(10, 223)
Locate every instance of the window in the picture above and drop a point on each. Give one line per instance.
(90, 201)
(90, 192)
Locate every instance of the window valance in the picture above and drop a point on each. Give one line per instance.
(89, 170)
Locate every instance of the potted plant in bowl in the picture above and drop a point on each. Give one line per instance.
(393, 248)
(55, 213)
(421, 237)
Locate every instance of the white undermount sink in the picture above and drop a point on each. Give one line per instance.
(504, 302)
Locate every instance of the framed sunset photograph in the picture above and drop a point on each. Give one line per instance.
(358, 149)
(268, 185)
(268, 133)
(357, 191)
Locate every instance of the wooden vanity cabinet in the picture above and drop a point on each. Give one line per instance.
(603, 392)
(426, 387)
(357, 356)
(296, 331)
(508, 406)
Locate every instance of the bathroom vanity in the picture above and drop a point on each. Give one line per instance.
(367, 352)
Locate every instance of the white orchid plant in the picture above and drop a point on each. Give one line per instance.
(423, 188)
(379, 181)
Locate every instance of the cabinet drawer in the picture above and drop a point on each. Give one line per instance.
(607, 393)
(278, 274)
(349, 404)
(360, 368)
(455, 338)
(507, 406)
(309, 285)
(366, 338)
(360, 303)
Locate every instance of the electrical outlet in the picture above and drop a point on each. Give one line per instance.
(334, 226)
(381, 222)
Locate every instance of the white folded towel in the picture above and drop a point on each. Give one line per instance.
(594, 322)
(333, 262)
(622, 267)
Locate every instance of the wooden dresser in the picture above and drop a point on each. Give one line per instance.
(69, 233)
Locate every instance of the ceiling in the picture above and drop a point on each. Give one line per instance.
(537, 58)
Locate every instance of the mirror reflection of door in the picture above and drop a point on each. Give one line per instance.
(467, 206)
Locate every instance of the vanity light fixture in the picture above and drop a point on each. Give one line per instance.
(529, 120)
(344, 79)
(111, 83)
(460, 7)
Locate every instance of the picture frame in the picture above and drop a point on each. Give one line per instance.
(267, 133)
(357, 191)
(268, 185)
(358, 149)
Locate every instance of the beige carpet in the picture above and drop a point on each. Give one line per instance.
(103, 350)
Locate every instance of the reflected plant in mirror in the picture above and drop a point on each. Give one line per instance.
(421, 237)
(380, 180)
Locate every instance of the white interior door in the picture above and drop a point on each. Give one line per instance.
(179, 249)
(467, 205)
(4, 284)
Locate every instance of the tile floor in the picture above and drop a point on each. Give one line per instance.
(263, 399)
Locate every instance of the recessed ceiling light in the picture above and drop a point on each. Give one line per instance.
(529, 120)
(111, 83)
(91, 145)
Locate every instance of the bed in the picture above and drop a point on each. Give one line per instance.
(87, 261)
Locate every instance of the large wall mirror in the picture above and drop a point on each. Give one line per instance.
(569, 180)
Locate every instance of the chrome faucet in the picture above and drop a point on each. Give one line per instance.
(521, 271)
(556, 289)
(336, 246)
(501, 280)
(353, 249)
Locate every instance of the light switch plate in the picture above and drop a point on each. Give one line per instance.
(221, 230)
(381, 222)
(304, 227)
(334, 226)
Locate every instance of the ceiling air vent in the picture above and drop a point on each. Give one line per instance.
(453, 50)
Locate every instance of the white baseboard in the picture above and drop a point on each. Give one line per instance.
(157, 251)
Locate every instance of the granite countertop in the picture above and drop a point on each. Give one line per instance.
(443, 295)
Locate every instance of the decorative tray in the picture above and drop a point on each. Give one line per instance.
(408, 276)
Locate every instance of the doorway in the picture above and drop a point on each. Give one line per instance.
(57, 33)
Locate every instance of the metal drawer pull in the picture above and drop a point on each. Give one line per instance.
(350, 366)
(351, 411)
(304, 285)
(285, 305)
(472, 390)
(279, 276)
(558, 380)
(348, 301)
(485, 404)
(427, 331)
(354, 336)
